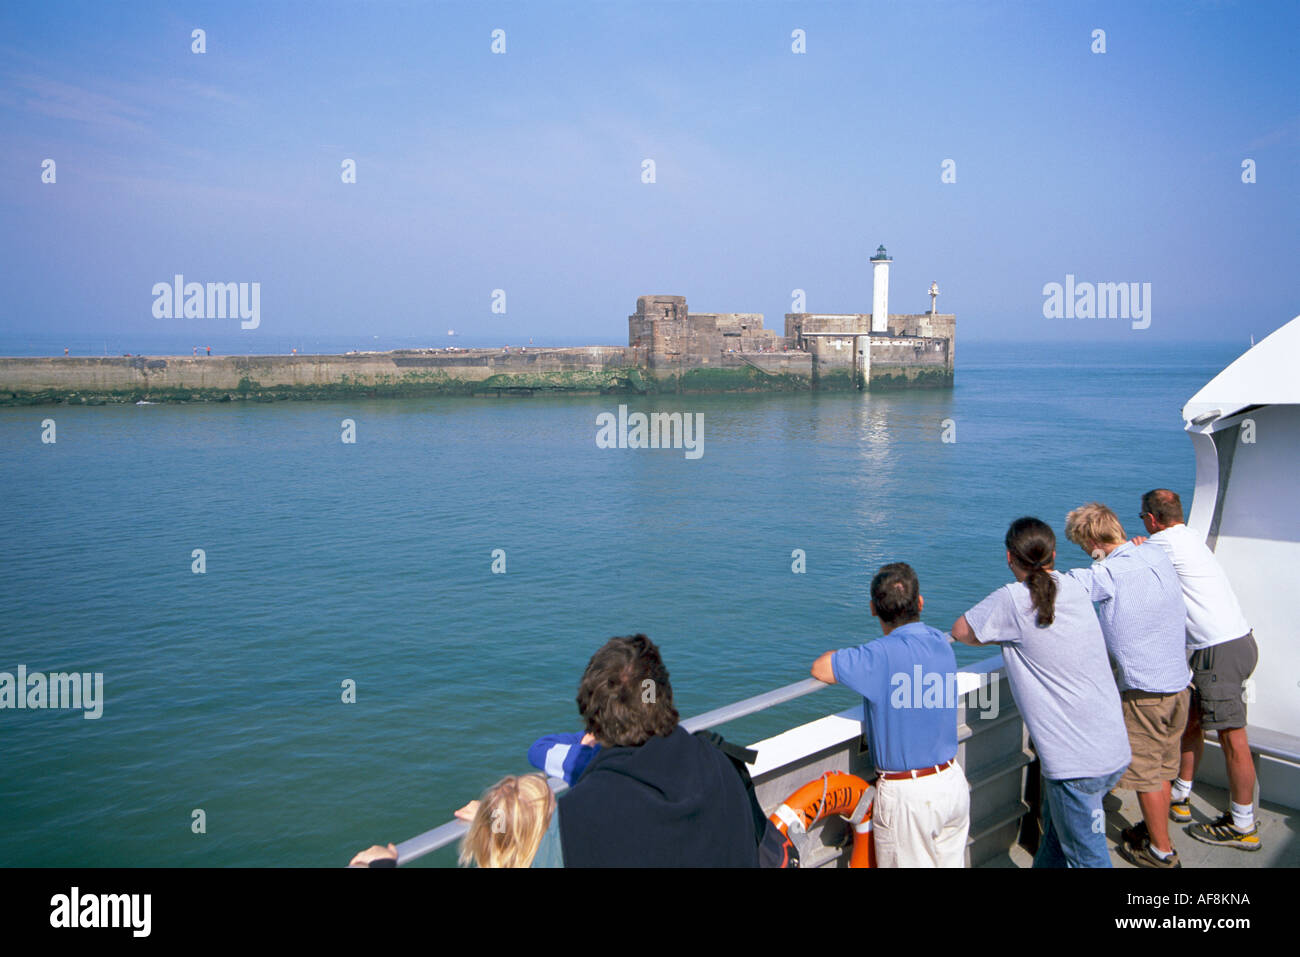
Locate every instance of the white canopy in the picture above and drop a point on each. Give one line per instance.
(1266, 375)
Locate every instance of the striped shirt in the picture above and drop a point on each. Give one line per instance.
(562, 755)
(1142, 617)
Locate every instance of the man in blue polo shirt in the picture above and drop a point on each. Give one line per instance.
(908, 680)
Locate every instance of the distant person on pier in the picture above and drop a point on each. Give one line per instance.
(209, 350)
(1142, 614)
(922, 807)
(1223, 657)
(1055, 658)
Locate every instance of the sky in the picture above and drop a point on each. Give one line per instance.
(523, 171)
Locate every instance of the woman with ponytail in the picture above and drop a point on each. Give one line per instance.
(1055, 659)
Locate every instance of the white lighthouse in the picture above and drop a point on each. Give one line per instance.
(880, 291)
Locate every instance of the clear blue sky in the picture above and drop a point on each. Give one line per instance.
(522, 171)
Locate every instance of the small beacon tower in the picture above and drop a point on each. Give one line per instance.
(880, 291)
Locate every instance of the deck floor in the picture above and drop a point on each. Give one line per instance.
(1279, 832)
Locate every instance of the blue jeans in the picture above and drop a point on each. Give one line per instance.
(1074, 823)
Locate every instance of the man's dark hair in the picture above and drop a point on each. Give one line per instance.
(624, 695)
(1165, 506)
(896, 594)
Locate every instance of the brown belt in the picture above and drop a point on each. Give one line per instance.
(903, 775)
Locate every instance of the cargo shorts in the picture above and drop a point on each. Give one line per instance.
(1219, 675)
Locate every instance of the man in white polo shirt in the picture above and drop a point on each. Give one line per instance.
(1223, 655)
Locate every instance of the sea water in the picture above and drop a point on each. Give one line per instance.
(225, 737)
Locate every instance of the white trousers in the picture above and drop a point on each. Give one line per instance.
(922, 822)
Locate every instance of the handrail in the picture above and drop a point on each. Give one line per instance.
(760, 702)
(752, 364)
(453, 830)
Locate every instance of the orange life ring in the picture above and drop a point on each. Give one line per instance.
(833, 793)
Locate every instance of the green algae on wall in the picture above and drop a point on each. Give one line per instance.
(837, 380)
(734, 379)
(407, 382)
(411, 384)
(935, 377)
(585, 380)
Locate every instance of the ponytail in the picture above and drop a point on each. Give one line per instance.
(1042, 591)
(1032, 545)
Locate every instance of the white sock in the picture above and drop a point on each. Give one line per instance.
(1163, 855)
(1180, 790)
(1243, 815)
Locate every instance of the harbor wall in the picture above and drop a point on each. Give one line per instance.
(483, 372)
(405, 373)
(670, 350)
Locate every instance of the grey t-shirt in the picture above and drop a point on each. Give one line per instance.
(1061, 678)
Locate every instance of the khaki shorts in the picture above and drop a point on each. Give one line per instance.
(1155, 724)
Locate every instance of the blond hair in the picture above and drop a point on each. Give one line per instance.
(512, 817)
(1094, 522)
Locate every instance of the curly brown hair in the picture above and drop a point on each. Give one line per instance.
(624, 696)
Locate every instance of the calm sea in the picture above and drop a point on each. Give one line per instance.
(372, 562)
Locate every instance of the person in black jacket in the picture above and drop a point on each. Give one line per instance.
(654, 795)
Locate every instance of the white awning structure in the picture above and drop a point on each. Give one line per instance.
(1266, 375)
(1245, 427)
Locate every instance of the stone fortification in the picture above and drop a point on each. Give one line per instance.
(670, 349)
(834, 350)
(669, 335)
(916, 349)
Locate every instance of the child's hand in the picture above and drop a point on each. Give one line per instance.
(588, 740)
(375, 853)
(468, 812)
